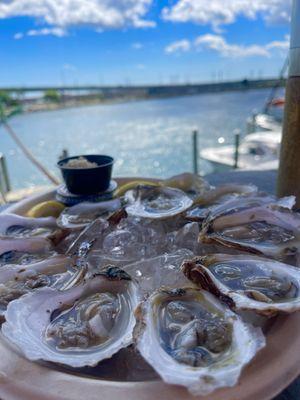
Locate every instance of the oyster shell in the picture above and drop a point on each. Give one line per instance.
(192, 340)
(214, 197)
(268, 230)
(79, 326)
(23, 251)
(82, 214)
(16, 280)
(16, 226)
(192, 184)
(156, 202)
(222, 192)
(247, 282)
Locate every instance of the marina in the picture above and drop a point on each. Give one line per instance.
(164, 127)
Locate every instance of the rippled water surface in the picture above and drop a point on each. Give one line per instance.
(147, 138)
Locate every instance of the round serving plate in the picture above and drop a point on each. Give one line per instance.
(274, 368)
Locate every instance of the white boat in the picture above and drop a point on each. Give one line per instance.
(258, 150)
(269, 120)
(263, 122)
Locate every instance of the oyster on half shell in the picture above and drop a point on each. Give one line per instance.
(247, 282)
(17, 226)
(17, 280)
(269, 230)
(156, 201)
(216, 196)
(79, 326)
(23, 250)
(82, 214)
(192, 340)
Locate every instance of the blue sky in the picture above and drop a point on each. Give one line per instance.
(52, 42)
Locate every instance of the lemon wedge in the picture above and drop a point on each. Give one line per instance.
(49, 208)
(121, 190)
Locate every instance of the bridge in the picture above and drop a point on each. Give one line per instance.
(156, 90)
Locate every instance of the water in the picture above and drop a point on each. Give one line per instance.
(147, 138)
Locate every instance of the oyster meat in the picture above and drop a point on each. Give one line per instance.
(217, 196)
(77, 327)
(191, 339)
(238, 203)
(247, 282)
(23, 251)
(16, 226)
(82, 214)
(16, 280)
(269, 230)
(156, 202)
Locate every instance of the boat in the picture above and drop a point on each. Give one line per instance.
(259, 150)
(264, 122)
(270, 119)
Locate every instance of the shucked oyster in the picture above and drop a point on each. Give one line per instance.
(82, 214)
(23, 250)
(16, 280)
(191, 339)
(247, 282)
(269, 230)
(156, 202)
(79, 326)
(220, 195)
(16, 226)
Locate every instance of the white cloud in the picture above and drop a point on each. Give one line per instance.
(280, 45)
(140, 66)
(105, 14)
(219, 44)
(137, 45)
(47, 31)
(19, 36)
(219, 12)
(178, 47)
(59, 32)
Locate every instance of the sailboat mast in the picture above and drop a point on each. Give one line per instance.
(288, 182)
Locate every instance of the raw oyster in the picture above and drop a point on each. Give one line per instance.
(220, 195)
(23, 251)
(79, 326)
(16, 280)
(242, 203)
(16, 226)
(191, 339)
(82, 214)
(268, 230)
(190, 183)
(247, 282)
(156, 202)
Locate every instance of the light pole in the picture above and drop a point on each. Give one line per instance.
(289, 169)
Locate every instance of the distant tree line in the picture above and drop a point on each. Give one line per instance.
(52, 96)
(7, 100)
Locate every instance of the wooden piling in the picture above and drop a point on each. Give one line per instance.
(288, 182)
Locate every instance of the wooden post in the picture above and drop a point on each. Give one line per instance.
(288, 182)
(237, 133)
(4, 171)
(195, 151)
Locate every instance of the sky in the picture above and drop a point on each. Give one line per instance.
(113, 42)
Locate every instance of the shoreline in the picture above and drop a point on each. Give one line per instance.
(116, 95)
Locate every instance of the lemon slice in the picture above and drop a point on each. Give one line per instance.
(132, 184)
(49, 208)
